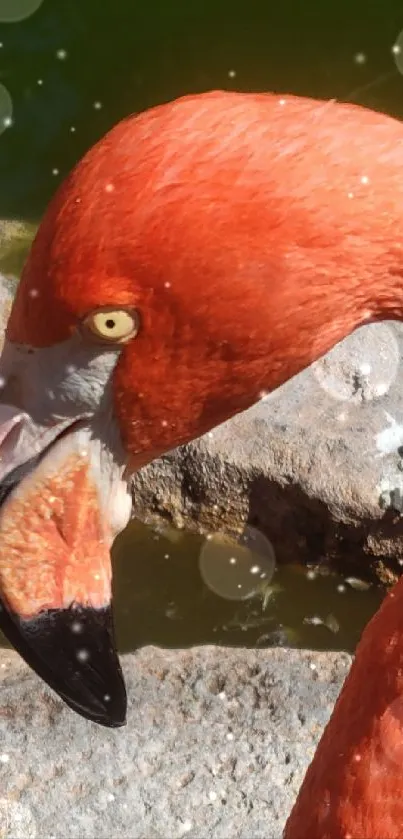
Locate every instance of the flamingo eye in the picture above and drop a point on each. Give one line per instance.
(114, 325)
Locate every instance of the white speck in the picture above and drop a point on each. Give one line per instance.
(215, 508)
(230, 736)
(40, 81)
(263, 394)
(72, 128)
(357, 584)
(97, 576)
(61, 55)
(390, 438)
(4, 758)
(341, 588)
(282, 102)
(167, 285)
(350, 195)
(109, 187)
(255, 569)
(2, 381)
(312, 666)
(6, 108)
(107, 697)
(360, 58)
(396, 49)
(212, 796)
(83, 453)
(166, 556)
(55, 171)
(364, 179)
(71, 368)
(110, 796)
(231, 74)
(365, 369)
(222, 695)
(83, 655)
(311, 575)
(33, 292)
(232, 558)
(97, 105)
(164, 423)
(239, 585)
(357, 758)
(77, 627)
(315, 620)
(210, 434)
(381, 389)
(209, 537)
(185, 826)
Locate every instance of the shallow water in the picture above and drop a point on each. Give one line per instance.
(160, 598)
(68, 72)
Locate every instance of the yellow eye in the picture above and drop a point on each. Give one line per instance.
(114, 325)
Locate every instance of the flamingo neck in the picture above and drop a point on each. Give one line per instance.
(354, 786)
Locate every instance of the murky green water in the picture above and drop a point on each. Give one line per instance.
(162, 599)
(72, 70)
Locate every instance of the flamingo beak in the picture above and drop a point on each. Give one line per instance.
(55, 571)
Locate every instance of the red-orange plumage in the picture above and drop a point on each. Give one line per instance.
(354, 787)
(281, 210)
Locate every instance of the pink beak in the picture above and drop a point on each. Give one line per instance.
(55, 572)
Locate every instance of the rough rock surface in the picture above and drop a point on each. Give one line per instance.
(216, 745)
(317, 465)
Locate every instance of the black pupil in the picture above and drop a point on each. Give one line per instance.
(110, 323)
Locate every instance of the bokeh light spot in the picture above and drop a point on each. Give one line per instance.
(237, 570)
(12, 11)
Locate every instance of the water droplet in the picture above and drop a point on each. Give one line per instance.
(6, 109)
(12, 11)
(397, 52)
(237, 577)
(83, 655)
(362, 367)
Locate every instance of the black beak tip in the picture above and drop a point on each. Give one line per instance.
(73, 651)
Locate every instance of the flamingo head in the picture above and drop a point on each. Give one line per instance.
(179, 271)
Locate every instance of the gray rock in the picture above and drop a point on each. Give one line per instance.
(316, 465)
(216, 745)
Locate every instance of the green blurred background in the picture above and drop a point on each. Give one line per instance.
(70, 56)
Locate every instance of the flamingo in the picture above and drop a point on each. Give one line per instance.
(201, 253)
